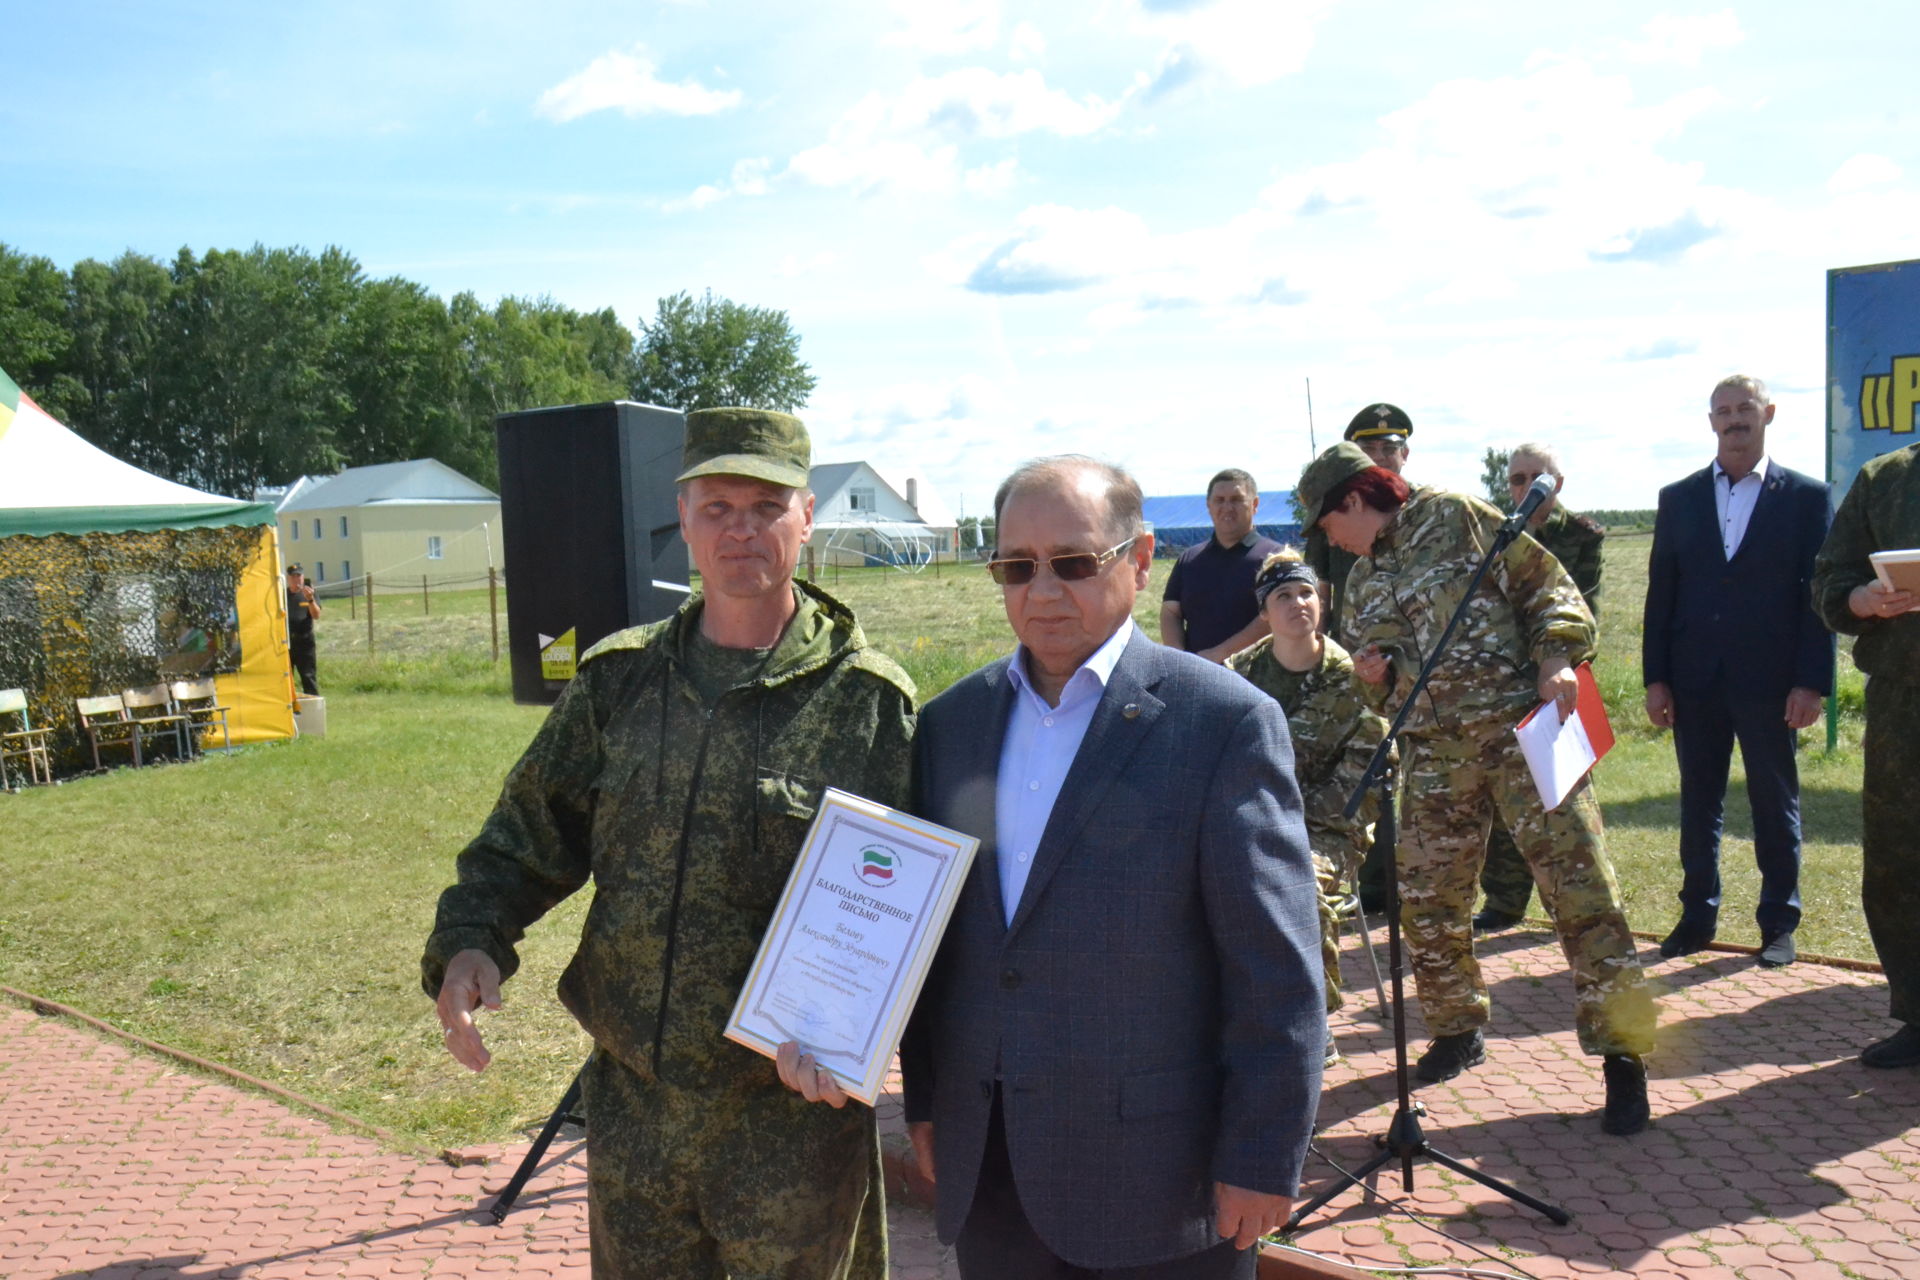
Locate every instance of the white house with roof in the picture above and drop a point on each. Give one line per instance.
(395, 520)
(862, 516)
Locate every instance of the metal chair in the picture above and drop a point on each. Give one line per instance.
(24, 743)
(1349, 911)
(151, 710)
(199, 702)
(105, 722)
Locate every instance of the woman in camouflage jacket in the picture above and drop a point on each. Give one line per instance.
(1334, 731)
(1523, 629)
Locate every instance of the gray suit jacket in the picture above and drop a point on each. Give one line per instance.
(1154, 1012)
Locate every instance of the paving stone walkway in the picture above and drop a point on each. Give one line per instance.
(1773, 1155)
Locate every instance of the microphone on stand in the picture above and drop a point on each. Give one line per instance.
(1542, 490)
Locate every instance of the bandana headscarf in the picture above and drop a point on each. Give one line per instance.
(1286, 571)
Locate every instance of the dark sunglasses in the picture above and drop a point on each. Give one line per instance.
(1076, 566)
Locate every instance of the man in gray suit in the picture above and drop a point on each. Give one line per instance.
(1113, 1068)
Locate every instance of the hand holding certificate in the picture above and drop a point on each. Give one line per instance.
(1561, 752)
(851, 940)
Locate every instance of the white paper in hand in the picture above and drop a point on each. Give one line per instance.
(1558, 752)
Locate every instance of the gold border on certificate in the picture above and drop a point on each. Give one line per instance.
(849, 945)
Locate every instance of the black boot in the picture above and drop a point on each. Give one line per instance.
(1627, 1110)
(1687, 937)
(1493, 920)
(1448, 1056)
(1901, 1049)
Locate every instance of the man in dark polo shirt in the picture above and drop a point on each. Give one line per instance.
(1208, 608)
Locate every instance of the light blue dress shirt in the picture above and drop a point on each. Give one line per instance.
(1038, 750)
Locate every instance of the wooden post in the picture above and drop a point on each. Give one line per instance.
(813, 570)
(353, 599)
(425, 607)
(369, 615)
(493, 608)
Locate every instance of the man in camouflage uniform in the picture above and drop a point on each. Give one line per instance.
(1524, 629)
(1382, 431)
(1575, 542)
(680, 771)
(1334, 733)
(1882, 513)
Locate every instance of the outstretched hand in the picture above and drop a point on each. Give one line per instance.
(472, 982)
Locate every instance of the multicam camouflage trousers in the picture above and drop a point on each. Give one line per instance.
(1330, 872)
(759, 1185)
(1452, 790)
(1890, 874)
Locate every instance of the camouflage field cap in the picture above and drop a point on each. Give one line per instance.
(1325, 473)
(1383, 421)
(757, 443)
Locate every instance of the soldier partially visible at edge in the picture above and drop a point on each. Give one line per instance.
(1881, 512)
(1462, 764)
(680, 771)
(1575, 542)
(1334, 733)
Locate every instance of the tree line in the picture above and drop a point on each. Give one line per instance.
(236, 369)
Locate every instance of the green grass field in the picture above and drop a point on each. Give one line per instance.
(267, 910)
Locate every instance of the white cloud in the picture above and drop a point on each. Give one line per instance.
(1057, 249)
(749, 178)
(948, 26)
(992, 179)
(1516, 175)
(1250, 42)
(912, 139)
(1684, 39)
(1026, 44)
(627, 82)
(1863, 173)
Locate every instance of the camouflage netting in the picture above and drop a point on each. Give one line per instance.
(101, 612)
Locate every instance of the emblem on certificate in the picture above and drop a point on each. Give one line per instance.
(850, 943)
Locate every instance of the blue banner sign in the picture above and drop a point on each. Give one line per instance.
(1873, 366)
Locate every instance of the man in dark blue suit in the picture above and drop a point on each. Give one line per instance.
(1114, 1065)
(1732, 650)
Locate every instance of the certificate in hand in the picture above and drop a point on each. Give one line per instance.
(851, 940)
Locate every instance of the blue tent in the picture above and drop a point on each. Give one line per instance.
(1182, 520)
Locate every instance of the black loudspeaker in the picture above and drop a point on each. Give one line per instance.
(591, 529)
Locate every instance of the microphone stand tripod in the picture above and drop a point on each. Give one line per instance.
(569, 1101)
(1404, 1141)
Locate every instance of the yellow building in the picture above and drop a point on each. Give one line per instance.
(396, 521)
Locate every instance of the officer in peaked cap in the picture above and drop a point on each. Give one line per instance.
(680, 771)
(1382, 430)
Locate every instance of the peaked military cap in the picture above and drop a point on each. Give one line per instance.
(1324, 474)
(1381, 421)
(757, 443)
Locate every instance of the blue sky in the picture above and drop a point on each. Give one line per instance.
(1128, 227)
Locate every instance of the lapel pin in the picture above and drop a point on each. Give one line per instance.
(1131, 711)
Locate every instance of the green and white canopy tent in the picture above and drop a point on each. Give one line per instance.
(52, 481)
(112, 577)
